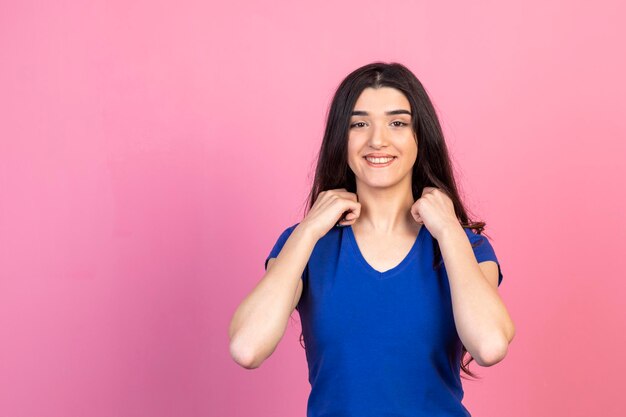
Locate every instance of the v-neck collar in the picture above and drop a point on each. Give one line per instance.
(390, 272)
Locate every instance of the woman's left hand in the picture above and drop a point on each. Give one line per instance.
(435, 210)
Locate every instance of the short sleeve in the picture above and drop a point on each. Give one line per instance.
(280, 242)
(483, 250)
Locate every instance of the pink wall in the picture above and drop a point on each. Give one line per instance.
(151, 152)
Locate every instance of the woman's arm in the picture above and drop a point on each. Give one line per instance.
(481, 318)
(260, 321)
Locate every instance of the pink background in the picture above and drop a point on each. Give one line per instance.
(152, 152)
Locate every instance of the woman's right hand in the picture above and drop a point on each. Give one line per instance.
(332, 207)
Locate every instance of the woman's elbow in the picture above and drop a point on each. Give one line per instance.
(493, 352)
(243, 357)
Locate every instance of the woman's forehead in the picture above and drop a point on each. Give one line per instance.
(381, 101)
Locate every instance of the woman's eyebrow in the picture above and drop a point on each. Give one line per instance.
(389, 113)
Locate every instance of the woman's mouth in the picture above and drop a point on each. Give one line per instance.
(379, 162)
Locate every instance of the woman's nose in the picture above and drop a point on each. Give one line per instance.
(378, 136)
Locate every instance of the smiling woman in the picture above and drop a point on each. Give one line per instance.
(380, 136)
(393, 282)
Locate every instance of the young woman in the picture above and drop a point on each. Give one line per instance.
(392, 281)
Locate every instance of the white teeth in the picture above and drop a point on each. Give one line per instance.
(378, 160)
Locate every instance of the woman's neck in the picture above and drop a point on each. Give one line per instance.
(385, 211)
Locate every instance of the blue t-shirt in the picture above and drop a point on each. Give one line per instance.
(379, 343)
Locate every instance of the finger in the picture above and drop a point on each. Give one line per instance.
(351, 209)
(414, 209)
(346, 194)
(346, 222)
(427, 190)
(347, 219)
(351, 216)
(346, 206)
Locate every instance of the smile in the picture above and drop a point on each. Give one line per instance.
(379, 162)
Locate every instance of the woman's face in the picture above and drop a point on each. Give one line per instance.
(374, 132)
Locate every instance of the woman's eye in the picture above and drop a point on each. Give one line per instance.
(401, 124)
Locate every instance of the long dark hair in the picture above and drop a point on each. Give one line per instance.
(433, 167)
